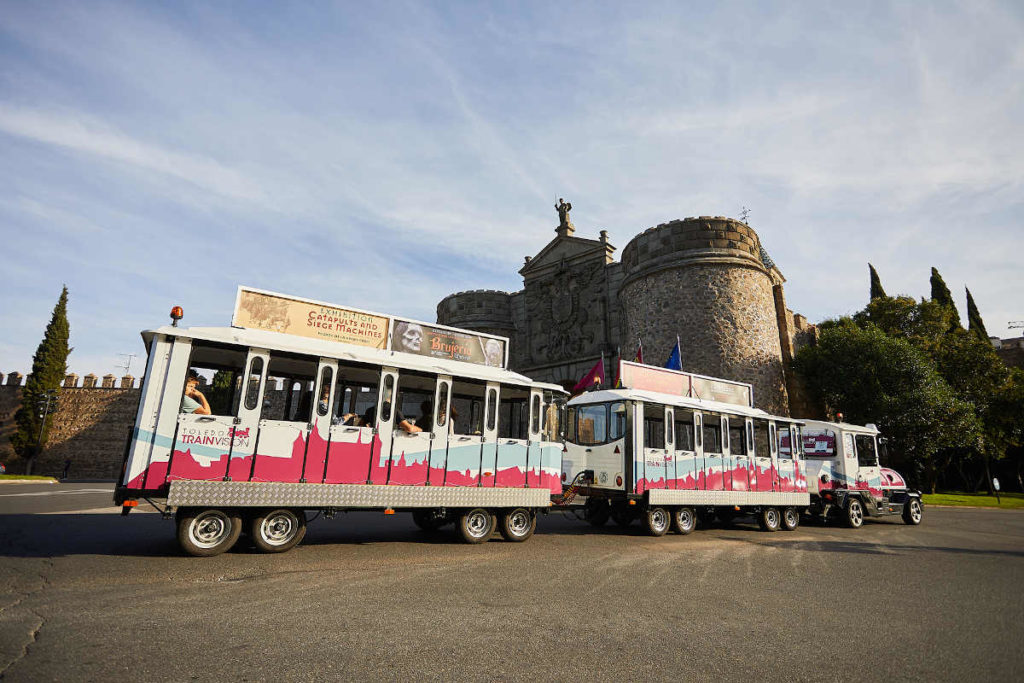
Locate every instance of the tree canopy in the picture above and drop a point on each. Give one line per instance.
(49, 366)
(876, 284)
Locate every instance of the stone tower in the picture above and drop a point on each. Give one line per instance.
(708, 281)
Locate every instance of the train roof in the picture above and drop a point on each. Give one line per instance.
(864, 429)
(692, 403)
(288, 343)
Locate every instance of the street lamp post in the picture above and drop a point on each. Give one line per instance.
(47, 402)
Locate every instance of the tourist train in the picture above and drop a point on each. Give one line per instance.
(304, 406)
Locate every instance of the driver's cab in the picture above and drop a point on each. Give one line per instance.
(839, 455)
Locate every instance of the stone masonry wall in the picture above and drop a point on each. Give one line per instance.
(725, 320)
(703, 280)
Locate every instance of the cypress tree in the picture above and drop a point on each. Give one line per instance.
(876, 284)
(49, 366)
(941, 296)
(974, 321)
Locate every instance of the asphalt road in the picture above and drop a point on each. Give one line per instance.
(94, 596)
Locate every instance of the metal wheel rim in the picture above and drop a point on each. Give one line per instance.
(685, 519)
(519, 522)
(477, 524)
(659, 519)
(278, 528)
(915, 511)
(209, 529)
(790, 516)
(856, 514)
(771, 517)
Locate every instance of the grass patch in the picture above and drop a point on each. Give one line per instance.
(981, 500)
(24, 477)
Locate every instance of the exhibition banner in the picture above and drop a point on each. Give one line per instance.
(278, 313)
(425, 340)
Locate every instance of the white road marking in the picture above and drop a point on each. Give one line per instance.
(56, 493)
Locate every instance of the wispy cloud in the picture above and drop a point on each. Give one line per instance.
(386, 156)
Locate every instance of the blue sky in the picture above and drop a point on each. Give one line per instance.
(384, 155)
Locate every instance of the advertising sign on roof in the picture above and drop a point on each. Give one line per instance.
(665, 381)
(261, 310)
(426, 340)
(277, 313)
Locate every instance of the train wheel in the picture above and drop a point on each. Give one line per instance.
(684, 520)
(913, 511)
(276, 531)
(428, 519)
(476, 525)
(769, 519)
(208, 532)
(517, 525)
(854, 514)
(790, 519)
(656, 521)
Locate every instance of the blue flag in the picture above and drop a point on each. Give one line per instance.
(675, 359)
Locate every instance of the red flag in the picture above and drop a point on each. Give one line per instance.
(596, 372)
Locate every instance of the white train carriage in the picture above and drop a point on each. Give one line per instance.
(845, 479)
(672, 446)
(343, 410)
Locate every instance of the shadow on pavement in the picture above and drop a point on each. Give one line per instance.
(147, 535)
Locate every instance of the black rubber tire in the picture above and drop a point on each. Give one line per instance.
(657, 521)
(517, 525)
(429, 519)
(205, 532)
(476, 525)
(853, 515)
(598, 511)
(913, 512)
(769, 519)
(790, 519)
(684, 520)
(277, 530)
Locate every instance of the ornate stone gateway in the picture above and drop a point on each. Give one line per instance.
(706, 280)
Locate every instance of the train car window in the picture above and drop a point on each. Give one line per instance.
(617, 422)
(654, 425)
(785, 441)
(819, 442)
(513, 420)
(592, 424)
(219, 369)
(252, 385)
(554, 416)
(684, 430)
(415, 399)
(355, 395)
(492, 408)
(535, 425)
(325, 392)
(570, 425)
(468, 407)
(389, 394)
(761, 449)
(712, 434)
(297, 375)
(442, 412)
(737, 444)
(867, 455)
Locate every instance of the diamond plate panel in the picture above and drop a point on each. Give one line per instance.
(189, 493)
(670, 497)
